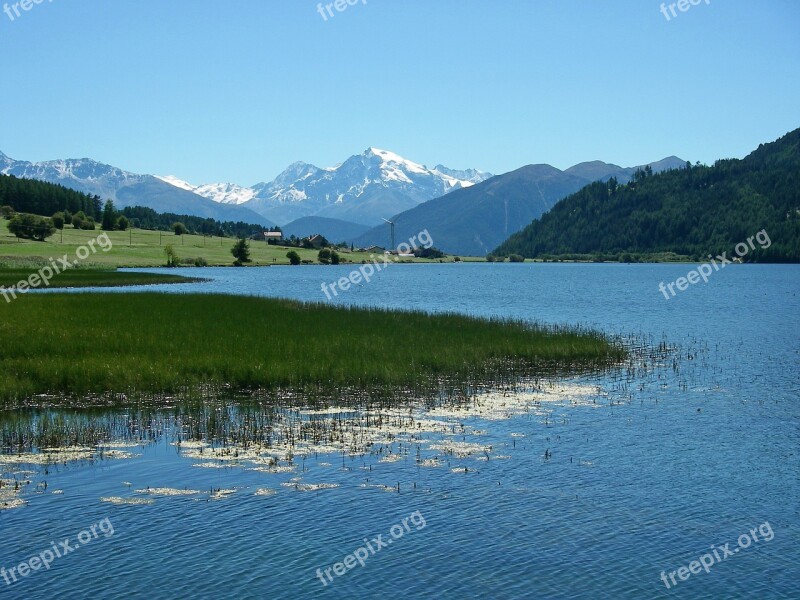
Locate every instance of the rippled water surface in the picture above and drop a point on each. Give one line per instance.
(587, 488)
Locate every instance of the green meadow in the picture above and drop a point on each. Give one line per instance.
(144, 248)
(63, 348)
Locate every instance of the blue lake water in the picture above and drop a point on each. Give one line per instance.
(589, 489)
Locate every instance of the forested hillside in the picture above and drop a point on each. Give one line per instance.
(694, 211)
(41, 198)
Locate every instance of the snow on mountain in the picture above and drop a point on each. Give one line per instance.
(128, 189)
(178, 183)
(363, 189)
(223, 193)
(472, 176)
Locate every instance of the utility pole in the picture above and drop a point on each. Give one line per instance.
(391, 223)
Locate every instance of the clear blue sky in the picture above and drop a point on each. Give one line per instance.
(236, 90)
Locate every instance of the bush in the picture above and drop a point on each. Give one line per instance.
(324, 256)
(200, 262)
(31, 227)
(516, 258)
(58, 220)
(179, 228)
(172, 256)
(432, 253)
(88, 224)
(123, 223)
(335, 258)
(7, 212)
(294, 257)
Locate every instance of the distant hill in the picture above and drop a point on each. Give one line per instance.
(474, 220)
(334, 230)
(127, 189)
(694, 211)
(43, 198)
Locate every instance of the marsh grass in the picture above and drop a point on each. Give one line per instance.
(88, 276)
(64, 348)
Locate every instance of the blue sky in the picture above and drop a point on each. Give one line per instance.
(237, 90)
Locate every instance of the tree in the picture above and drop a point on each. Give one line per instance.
(335, 258)
(241, 252)
(78, 219)
(58, 220)
(172, 256)
(324, 256)
(7, 212)
(109, 217)
(179, 228)
(87, 225)
(31, 227)
(123, 223)
(294, 257)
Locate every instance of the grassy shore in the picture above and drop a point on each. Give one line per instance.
(70, 346)
(80, 278)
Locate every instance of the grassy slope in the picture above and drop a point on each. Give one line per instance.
(142, 248)
(66, 344)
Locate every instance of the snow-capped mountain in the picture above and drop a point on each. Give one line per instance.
(363, 189)
(126, 188)
(471, 175)
(223, 193)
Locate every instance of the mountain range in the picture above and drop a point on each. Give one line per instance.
(467, 212)
(127, 189)
(475, 220)
(364, 189)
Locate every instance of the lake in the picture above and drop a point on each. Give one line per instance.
(590, 487)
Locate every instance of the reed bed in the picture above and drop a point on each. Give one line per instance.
(89, 277)
(65, 348)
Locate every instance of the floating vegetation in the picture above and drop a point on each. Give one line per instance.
(221, 494)
(277, 436)
(460, 449)
(168, 492)
(128, 501)
(309, 487)
(10, 489)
